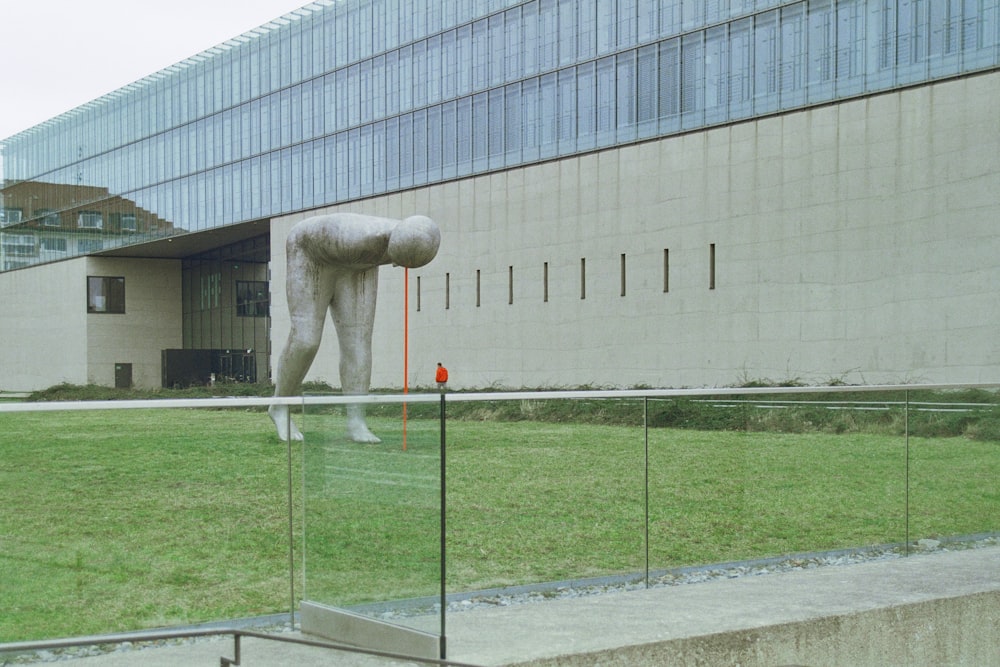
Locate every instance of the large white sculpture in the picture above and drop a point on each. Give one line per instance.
(333, 265)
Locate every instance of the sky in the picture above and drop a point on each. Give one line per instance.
(58, 54)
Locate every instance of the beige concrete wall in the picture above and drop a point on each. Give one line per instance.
(855, 241)
(42, 329)
(150, 324)
(958, 630)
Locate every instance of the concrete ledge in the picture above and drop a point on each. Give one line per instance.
(956, 631)
(934, 609)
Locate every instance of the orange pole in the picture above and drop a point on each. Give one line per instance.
(406, 344)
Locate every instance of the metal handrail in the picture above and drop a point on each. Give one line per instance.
(236, 633)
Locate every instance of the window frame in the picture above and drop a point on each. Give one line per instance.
(114, 298)
(253, 307)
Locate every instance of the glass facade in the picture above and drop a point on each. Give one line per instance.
(345, 99)
(226, 311)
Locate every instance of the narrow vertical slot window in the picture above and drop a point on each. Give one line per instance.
(711, 266)
(418, 294)
(447, 291)
(623, 274)
(583, 277)
(666, 270)
(479, 283)
(510, 285)
(545, 282)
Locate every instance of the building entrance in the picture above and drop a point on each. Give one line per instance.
(226, 317)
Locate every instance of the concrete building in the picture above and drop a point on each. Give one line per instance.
(630, 192)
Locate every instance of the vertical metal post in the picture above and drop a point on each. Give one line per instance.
(291, 529)
(443, 529)
(406, 345)
(645, 437)
(906, 494)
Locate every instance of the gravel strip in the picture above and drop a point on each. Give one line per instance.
(697, 575)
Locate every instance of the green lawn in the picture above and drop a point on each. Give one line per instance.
(119, 520)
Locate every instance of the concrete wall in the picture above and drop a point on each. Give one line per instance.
(855, 241)
(150, 324)
(45, 315)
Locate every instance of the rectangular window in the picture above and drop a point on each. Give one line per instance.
(53, 244)
(548, 35)
(50, 218)
(89, 245)
(418, 294)
(711, 266)
(606, 26)
(586, 103)
(567, 31)
(566, 129)
(90, 220)
(583, 277)
(669, 85)
(648, 91)
(20, 245)
(105, 294)
(605, 101)
(464, 135)
(479, 285)
(626, 96)
(510, 285)
(129, 222)
(447, 291)
(10, 216)
(545, 282)
(666, 270)
(513, 52)
(586, 40)
(252, 298)
(512, 124)
(480, 55)
(623, 274)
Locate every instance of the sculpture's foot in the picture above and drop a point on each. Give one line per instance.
(283, 424)
(357, 431)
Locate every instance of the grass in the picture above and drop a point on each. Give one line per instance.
(120, 520)
(113, 521)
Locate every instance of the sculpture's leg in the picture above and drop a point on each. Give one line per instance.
(309, 291)
(353, 313)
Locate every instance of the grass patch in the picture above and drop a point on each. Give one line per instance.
(125, 520)
(118, 520)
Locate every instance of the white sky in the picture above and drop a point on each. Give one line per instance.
(58, 54)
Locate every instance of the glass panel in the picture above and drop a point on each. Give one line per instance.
(765, 69)
(373, 512)
(954, 466)
(119, 520)
(541, 491)
(746, 477)
(648, 91)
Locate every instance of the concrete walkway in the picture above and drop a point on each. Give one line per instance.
(931, 609)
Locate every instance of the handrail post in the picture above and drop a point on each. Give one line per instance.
(226, 662)
(444, 441)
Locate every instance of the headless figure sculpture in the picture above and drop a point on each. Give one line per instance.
(333, 265)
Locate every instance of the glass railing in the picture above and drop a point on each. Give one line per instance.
(374, 521)
(163, 514)
(121, 516)
(757, 476)
(544, 490)
(953, 444)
